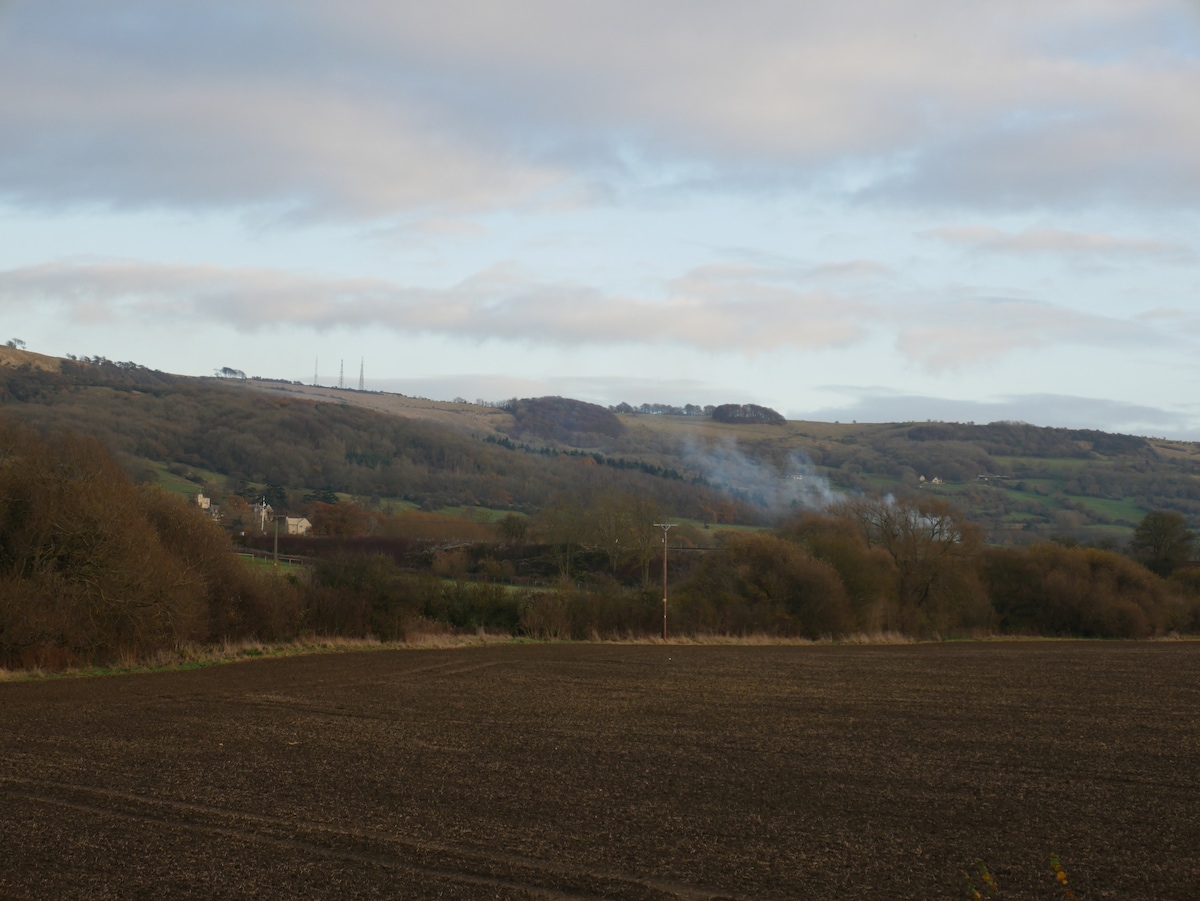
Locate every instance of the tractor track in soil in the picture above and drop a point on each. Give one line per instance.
(611, 771)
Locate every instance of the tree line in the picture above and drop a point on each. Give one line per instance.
(95, 568)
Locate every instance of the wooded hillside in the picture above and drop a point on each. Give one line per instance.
(1019, 483)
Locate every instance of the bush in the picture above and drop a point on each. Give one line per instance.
(93, 569)
(868, 574)
(1050, 589)
(763, 583)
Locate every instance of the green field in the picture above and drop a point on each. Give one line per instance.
(263, 564)
(1126, 510)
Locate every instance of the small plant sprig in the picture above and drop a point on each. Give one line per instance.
(989, 887)
(1060, 875)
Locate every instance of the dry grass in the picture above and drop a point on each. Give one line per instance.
(439, 636)
(757, 639)
(466, 416)
(13, 358)
(192, 656)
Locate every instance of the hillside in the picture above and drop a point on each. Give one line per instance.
(225, 436)
(13, 358)
(472, 417)
(1018, 482)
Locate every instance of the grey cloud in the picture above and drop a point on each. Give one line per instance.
(1064, 411)
(143, 117)
(600, 389)
(371, 108)
(1133, 147)
(491, 388)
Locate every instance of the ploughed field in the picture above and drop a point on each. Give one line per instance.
(608, 771)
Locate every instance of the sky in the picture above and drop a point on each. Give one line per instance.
(871, 210)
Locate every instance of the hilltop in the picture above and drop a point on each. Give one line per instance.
(14, 358)
(459, 415)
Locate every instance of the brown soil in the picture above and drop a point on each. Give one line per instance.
(567, 771)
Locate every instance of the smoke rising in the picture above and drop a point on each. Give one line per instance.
(794, 485)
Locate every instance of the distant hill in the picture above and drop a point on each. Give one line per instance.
(573, 422)
(742, 413)
(1019, 482)
(225, 436)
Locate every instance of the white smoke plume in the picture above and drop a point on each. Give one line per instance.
(796, 485)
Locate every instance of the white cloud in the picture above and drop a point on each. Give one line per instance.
(715, 309)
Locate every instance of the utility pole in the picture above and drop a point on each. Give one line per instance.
(666, 527)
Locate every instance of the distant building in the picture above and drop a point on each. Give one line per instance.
(206, 504)
(297, 525)
(262, 514)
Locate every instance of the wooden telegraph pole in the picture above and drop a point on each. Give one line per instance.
(666, 527)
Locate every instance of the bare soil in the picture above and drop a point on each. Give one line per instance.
(593, 771)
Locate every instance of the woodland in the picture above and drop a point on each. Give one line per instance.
(416, 526)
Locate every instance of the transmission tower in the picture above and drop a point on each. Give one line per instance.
(342, 374)
(360, 373)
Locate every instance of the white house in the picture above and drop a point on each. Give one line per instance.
(297, 525)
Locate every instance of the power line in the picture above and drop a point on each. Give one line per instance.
(666, 527)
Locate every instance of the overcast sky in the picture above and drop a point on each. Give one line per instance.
(864, 209)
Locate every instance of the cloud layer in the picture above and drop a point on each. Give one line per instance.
(1058, 410)
(370, 109)
(725, 308)
(942, 197)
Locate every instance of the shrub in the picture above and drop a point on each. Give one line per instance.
(762, 583)
(1050, 589)
(93, 568)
